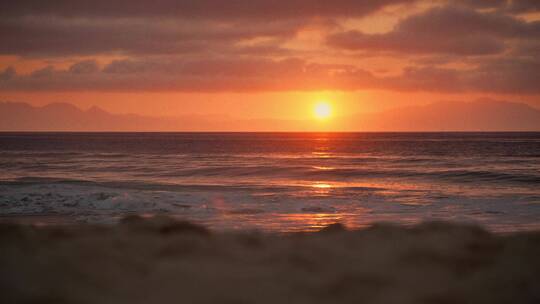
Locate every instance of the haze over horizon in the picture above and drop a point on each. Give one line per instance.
(440, 116)
(267, 62)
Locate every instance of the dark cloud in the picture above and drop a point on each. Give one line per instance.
(209, 75)
(83, 67)
(451, 21)
(528, 49)
(507, 6)
(415, 43)
(495, 76)
(55, 28)
(524, 6)
(126, 66)
(8, 74)
(215, 45)
(513, 75)
(443, 30)
(427, 79)
(47, 72)
(195, 9)
(60, 36)
(481, 4)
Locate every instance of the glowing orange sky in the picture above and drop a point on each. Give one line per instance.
(261, 59)
(287, 105)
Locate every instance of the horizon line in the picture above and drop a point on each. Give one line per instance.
(261, 132)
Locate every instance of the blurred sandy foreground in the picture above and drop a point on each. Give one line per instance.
(160, 260)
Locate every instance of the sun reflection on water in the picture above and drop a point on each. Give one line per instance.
(321, 154)
(311, 222)
(323, 168)
(321, 186)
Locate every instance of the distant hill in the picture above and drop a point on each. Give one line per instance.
(486, 115)
(481, 115)
(67, 117)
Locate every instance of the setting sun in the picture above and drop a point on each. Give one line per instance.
(322, 110)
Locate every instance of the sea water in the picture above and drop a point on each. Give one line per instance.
(273, 181)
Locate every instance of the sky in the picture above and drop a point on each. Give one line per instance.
(268, 59)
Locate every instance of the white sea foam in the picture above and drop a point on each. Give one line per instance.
(57, 203)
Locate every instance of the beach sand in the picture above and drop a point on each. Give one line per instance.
(160, 260)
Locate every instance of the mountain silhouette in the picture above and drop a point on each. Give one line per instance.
(481, 115)
(15, 116)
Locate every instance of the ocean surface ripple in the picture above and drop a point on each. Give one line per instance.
(273, 181)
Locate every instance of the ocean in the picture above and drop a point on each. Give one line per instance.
(279, 182)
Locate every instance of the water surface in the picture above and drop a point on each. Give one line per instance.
(273, 181)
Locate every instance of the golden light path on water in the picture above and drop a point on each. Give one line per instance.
(317, 220)
(315, 215)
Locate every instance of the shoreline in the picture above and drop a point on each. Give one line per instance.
(161, 260)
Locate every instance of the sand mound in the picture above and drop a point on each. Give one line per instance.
(163, 261)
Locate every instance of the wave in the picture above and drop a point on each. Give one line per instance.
(139, 175)
(246, 159)
(143, 185)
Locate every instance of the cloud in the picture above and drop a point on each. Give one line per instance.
(256, 74)
(402, 42)
(481, 4)
(83, 67)
(524, 6)
(513, 75)
(8, 74)
(196, 9)
(208, 75)
(427, 79)
(509, 76)
(527, 48)
(60, 28)
(507, 6)
(53, 36)
(262, 45)
(45, 73)
(443, 30)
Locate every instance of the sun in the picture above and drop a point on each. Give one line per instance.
(322, 110)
